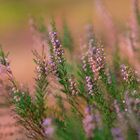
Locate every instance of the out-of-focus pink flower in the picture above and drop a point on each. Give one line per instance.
(133, 23)
(88, 119)
(127, 46)
(58, 52)
(48, 127)
(47, 122)
(130, 104)
(96, 59)
(49, 131)
(124, 72)
(3, 69)
(89, 123)
(89, 84)
(73, 86)
(117, 134)
(108, 22)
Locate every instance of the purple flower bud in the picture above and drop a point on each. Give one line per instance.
(47, 122)
(57, 48)
(91, 121)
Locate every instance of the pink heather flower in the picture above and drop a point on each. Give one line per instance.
(53, 66)
(2, 69)
(58, 52)
(49, 131)
(48, 127)
(42, 65)
(89, 84)
(87, 110)
(89, 118)
(88, 123)
(127, 45)
(84, 62)
(47, 122)
(124, 72)
(73, 86)
(96, 60)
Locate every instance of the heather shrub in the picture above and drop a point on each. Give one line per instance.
(90, 102)
(93, 97)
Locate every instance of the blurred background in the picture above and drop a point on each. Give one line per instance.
(16, 36)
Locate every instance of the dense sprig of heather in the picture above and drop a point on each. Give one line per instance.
(97, 88)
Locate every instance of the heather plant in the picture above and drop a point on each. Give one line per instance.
(124, 38)
(97, 99)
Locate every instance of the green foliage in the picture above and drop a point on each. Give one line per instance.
(72, 129)
(41, 83)
(67, 40)
(3, 57)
